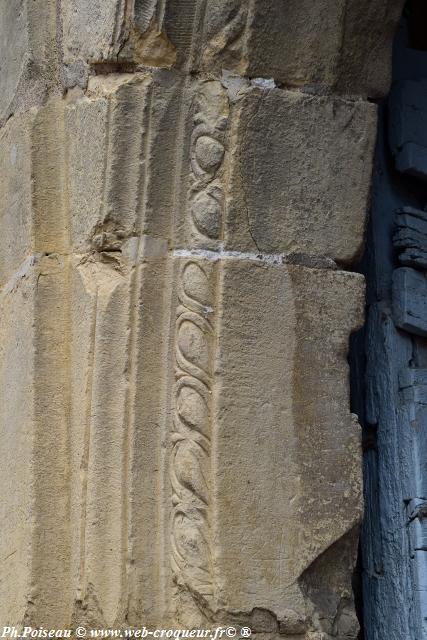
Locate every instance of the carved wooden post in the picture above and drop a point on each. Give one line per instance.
(395, 420)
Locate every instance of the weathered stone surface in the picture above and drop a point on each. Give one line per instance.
(112, 119)
(245, 455)
(113, 30)
(273, 171)
(178, 444)
(221, 171)
(330, 44)
(364, 62)
(300, 176)
(267, 468)
(118, 433)
(125, 176)
(28, 54)
(98, 423)
(50, 598)
(15, 194)
(34, 442)
(13, 49)
(16, 417)
(32, 187)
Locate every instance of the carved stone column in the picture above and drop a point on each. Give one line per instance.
(184, 188)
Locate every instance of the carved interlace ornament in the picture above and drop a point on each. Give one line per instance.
(194, 344)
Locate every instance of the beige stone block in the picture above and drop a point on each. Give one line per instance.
(50, 215)
(50, 596)
(111, 30)
(92, 172)
(364, 65)
(16, 421)
(92, 30)
(32, 187)
(286, 447)
(27, 53)
(265, 459)
(260, 170)
(98, 432)
(15, 194)
(34, 445)
(104, 132)
(300, 172)
(84, 363)
(148, 485)
(34, 304)
(330, 44)
(344, 44)
(14, 47)
(122, 147)
(270, 170)
(202, 177)
(118, 374)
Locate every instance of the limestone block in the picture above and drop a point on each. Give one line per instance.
(265, 170)
(364, 62)
(33, 445)
(50, 596)
(50, 223)
(345, 45)
(15, 194)
(148, 499)
(14, 47)
(105, 132)
(98, 429)
(16, 419)
(122, 139)
(34, 277)
(91, 30)
(262, 434)
(203, 184)
(118, 369)
(83, 437)
(27, 53)
(300, 174)
(262, 170)
(330, 43)
(105, 31)
(32, 186)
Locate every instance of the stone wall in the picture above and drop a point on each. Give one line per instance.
(183, 188)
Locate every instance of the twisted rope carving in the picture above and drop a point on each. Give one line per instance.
(189, 470)
(206, 159)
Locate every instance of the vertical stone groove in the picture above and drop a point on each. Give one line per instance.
(86, 452)
(133, 329)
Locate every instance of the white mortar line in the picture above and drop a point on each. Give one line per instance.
(214, 256)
